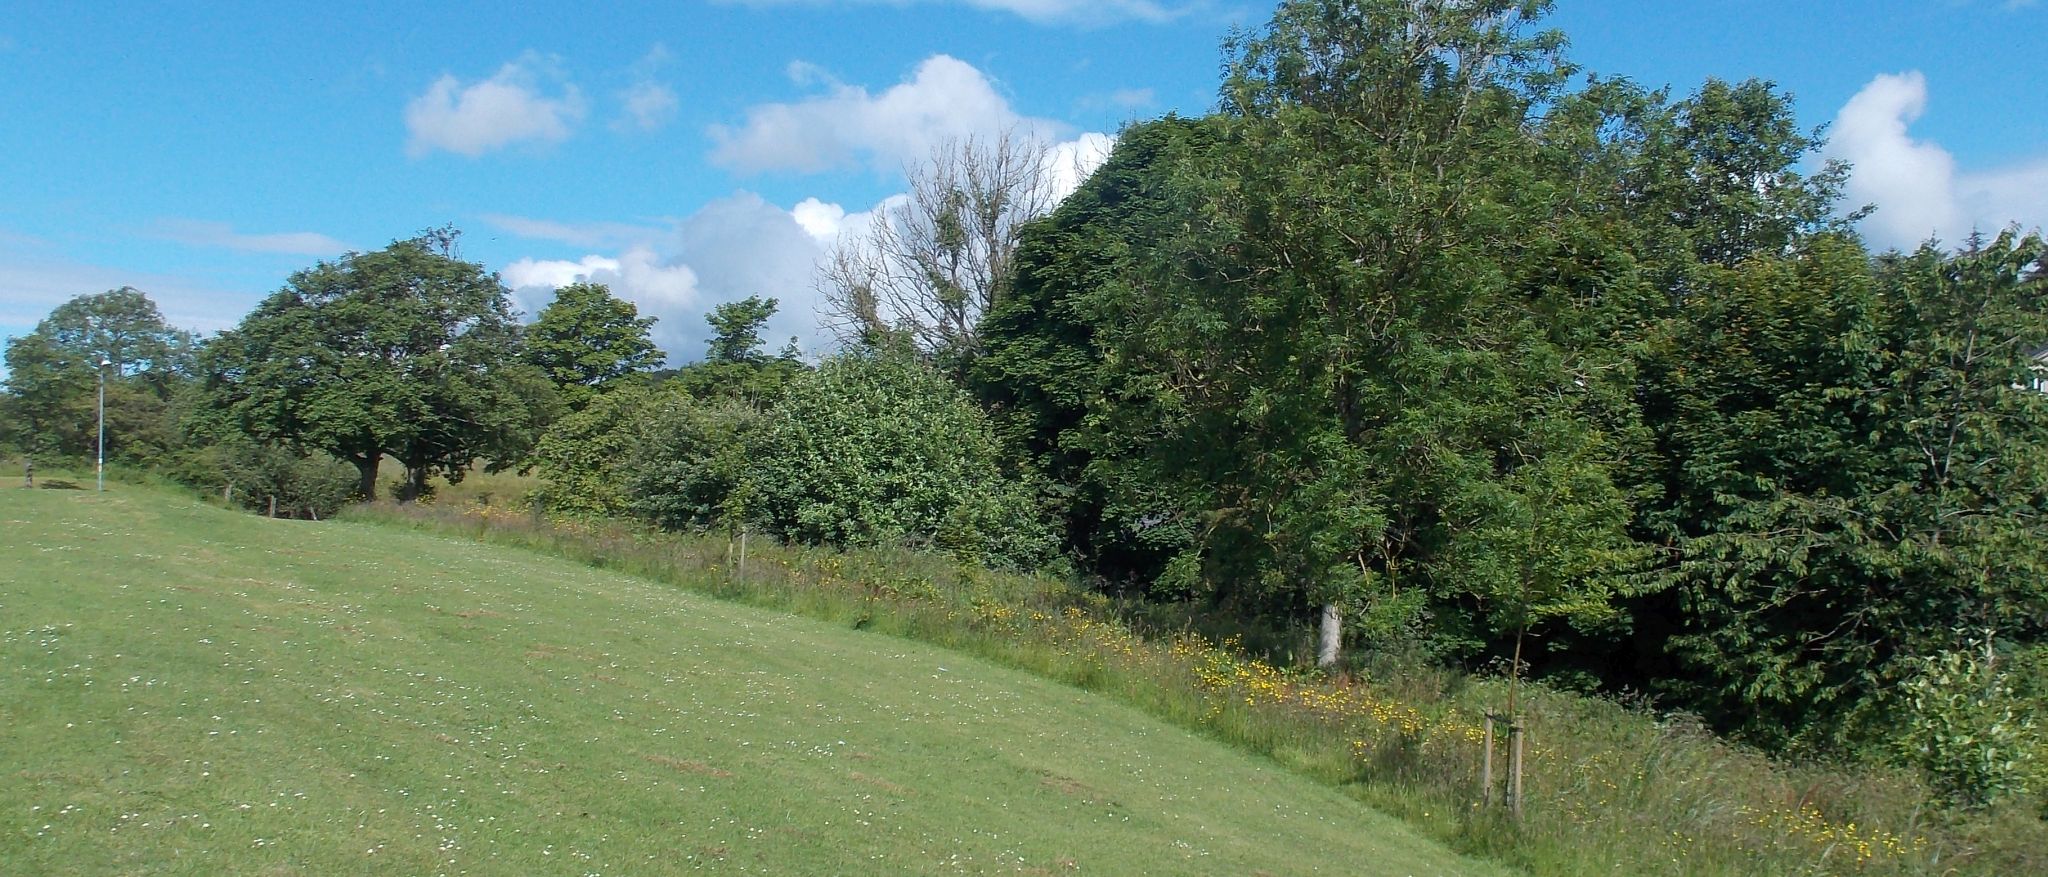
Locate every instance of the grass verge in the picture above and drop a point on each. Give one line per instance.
(1609, 789)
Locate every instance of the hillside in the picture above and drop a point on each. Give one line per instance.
(190, 690)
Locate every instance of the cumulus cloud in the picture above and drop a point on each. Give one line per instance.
(944, 99)
(1076, 12)
(512, 106)
(733, 248)
(820, 220)
(201, 233)
(1915, 184)
(637, 275)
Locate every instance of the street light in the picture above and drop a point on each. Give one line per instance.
(100, 468)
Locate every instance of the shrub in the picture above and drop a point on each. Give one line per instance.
(252, 475)
(583, 456)
(880, 449)
(1967, 728)
(690, 460)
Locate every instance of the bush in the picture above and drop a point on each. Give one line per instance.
(252, 475)
(690, 460)
(880, 449)
(1967, 728)
(584, 456)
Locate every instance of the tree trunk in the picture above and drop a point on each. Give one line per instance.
(366, 472)
(1330, 637)
(415, 484)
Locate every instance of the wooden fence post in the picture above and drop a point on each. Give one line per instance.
(1486, 766)
(1515, 734)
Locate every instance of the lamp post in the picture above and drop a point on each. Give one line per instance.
(100, 467)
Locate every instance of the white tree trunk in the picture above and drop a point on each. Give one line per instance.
(1330, 639)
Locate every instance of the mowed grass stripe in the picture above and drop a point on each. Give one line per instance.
(185, 690)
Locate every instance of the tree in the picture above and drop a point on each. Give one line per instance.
(122, 327)
(587, 340)
(736, 329)
(932, 264)
(405, 351)
(1331, 339)
(1850, 459)
(1044, 373)
(586, 457)
(54, 372)
(737, 368)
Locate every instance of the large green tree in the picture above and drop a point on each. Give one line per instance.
(1851, 459)
(1331, 339)
(406, 352)
(1046, 345)
(54, 373)
(588, 340)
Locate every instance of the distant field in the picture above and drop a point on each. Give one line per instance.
(186, 690)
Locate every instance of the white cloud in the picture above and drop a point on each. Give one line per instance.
(1069, 163)
(820, 220)
(219, 234)
(637, 275)
(944, 99)
(1915, 184)
(733, 248)
(510, 107)
(646, 107)
(37, 285)
(1077, 12)
(648, 104)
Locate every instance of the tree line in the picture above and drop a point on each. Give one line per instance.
(1426, 340)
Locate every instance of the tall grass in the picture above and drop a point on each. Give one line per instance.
(1609, 789)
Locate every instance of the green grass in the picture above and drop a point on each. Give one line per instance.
(187, 690)
(1611, 789)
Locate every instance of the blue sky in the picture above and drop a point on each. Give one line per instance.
(690, 153)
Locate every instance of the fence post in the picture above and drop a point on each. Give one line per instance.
(743, 553)
(1486, 766)
(1515, 734)
(29, 472)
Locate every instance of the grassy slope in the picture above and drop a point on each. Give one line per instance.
(188, 690)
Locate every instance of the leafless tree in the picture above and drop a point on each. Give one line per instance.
(936, 259)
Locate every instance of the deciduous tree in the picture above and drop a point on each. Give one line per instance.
(587, 340)
(404, 352)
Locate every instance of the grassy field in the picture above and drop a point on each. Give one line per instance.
(1613, 788)
(190, 690)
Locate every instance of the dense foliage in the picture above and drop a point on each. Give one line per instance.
(588, 341)
(54, 375)
(405, 352)
(1425, 339)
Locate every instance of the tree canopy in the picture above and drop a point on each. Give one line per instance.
(588, 340)
(404, 352)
